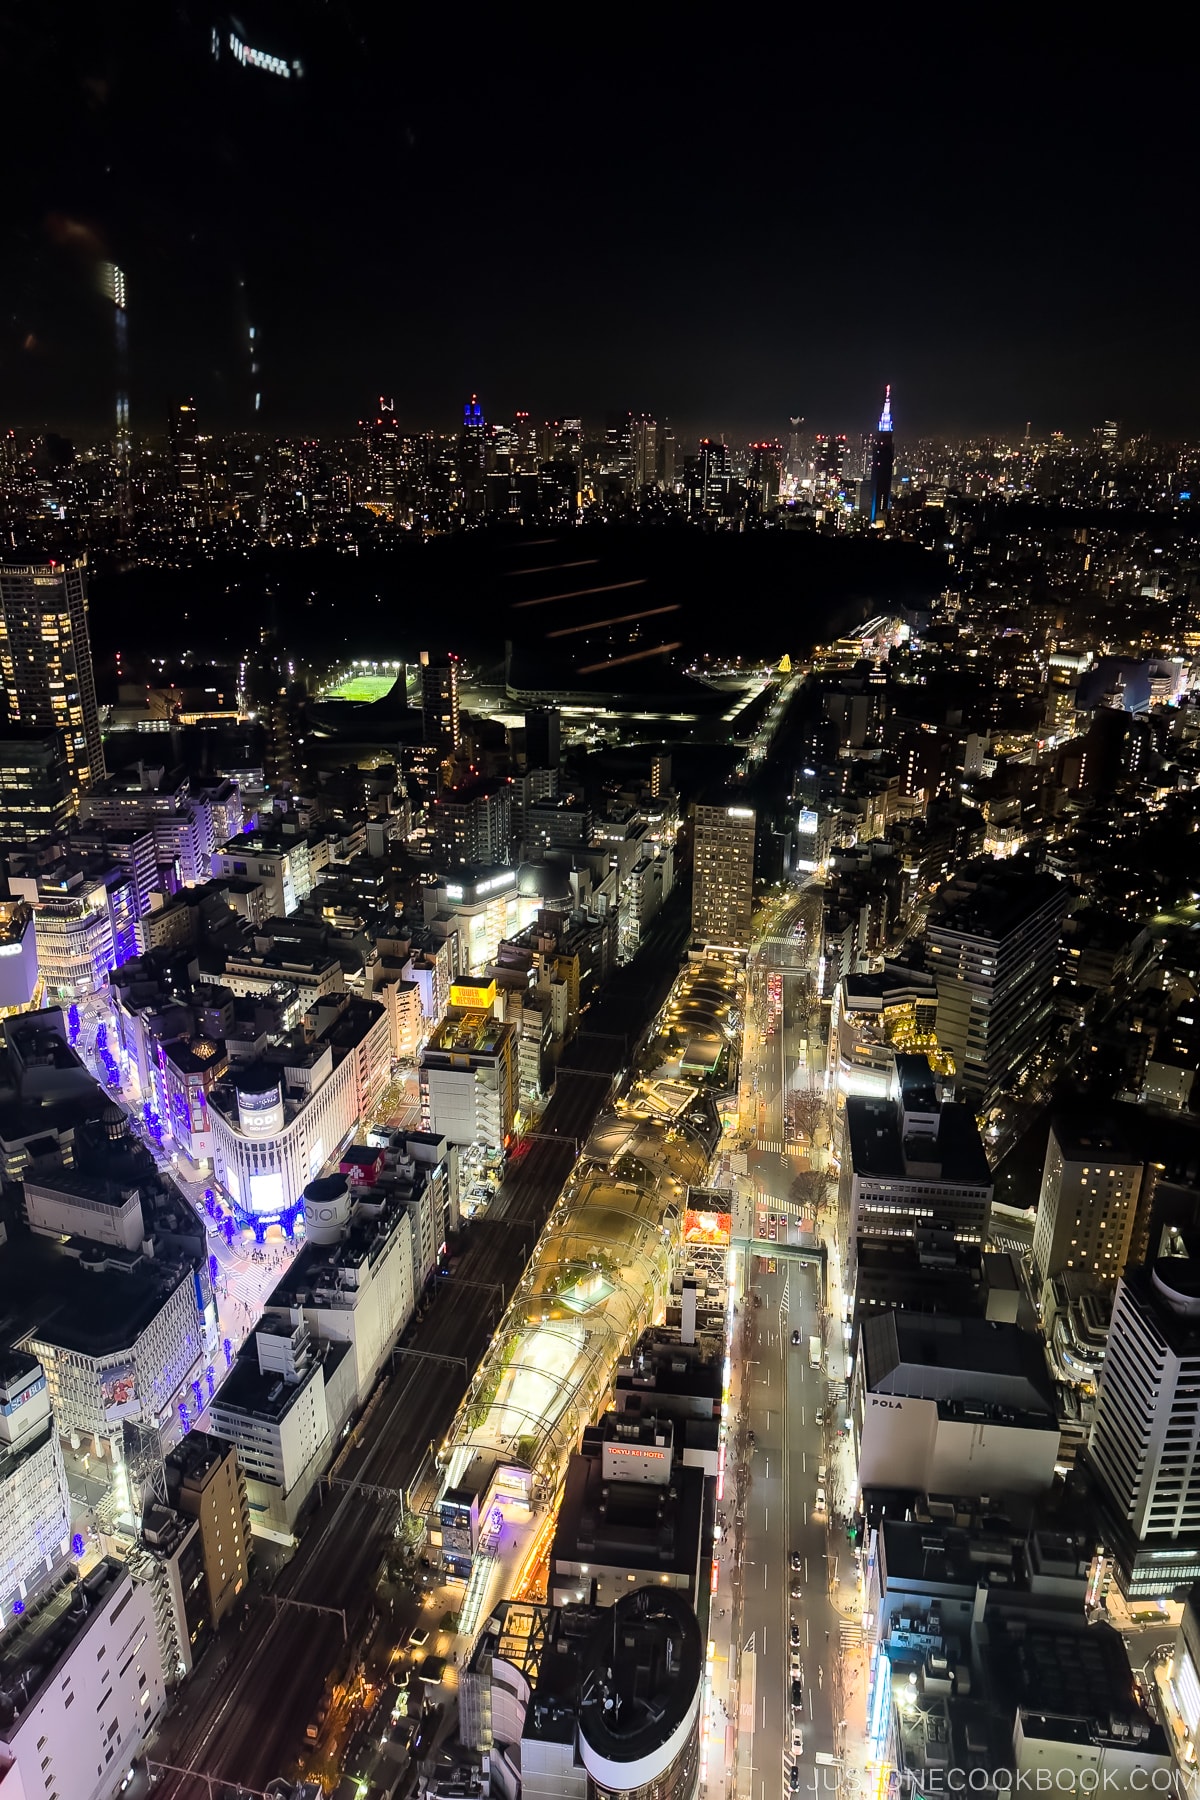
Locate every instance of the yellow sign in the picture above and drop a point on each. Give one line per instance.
(478, 995)
(785, 664)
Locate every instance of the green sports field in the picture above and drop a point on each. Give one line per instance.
(362, 687)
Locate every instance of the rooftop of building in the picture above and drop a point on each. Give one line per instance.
(469, 1032)
(253, 1393)
(633, 1525)
(100, 1190)
(200, 1056)
(962, 1363)
(893, 985)
(1169, 1288)
(928, 1272)
(195, 1456)
(1070, 1682)
(642, 1672)
(93, 1300)
(313, 1275)
(989, 898)
(877, 1148)
(17, 1367)
(1085, 1143)
(34, 1646)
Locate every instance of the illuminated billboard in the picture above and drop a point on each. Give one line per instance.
(707, 1227)
(471, 994)
(118, 1390)
(266, 1195)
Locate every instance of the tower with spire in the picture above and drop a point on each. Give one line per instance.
(883, 457)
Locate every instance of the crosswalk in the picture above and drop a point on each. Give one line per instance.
(851, 1633)
(774, 1144)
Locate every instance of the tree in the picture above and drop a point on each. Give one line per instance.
(808, 1109)
(808, 1189)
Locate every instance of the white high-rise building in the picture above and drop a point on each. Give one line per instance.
(35, 1508)
(85, 1682)
(723, 876)
(992, 946)
(1145, 1443)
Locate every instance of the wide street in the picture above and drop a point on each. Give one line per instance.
(788, 1622)
(799, 1624)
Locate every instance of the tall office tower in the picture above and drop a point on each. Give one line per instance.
(618, 443)
(439, 703)
(1145, 1442)
(709, 478)
(833, 460)
(1088, 1204)
(37, 799)
(543, 744)
(387, 456)
(665, 466)
(883, 458)
(644, 440)
(992, 945)
(525, 450)
(795, 448)
(183, 440)
(113, 281)
(762, 483)
(474, 434)
(723, 876)
(46, 675)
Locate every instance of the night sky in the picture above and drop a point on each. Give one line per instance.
(718, 215)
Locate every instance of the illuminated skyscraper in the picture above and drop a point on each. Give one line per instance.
(723, 876)
(762, 482)
(46, 676)
(474, 434)
(709, 478)
(439, 703)
(883, 457)
(184, 444)
(114, 288)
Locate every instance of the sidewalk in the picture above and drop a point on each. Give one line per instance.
(719, 1737)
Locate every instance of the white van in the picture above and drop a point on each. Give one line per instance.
(821, 1473)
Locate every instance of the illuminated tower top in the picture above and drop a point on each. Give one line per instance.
(885, 417)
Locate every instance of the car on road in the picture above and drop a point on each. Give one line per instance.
(418, 1637)
(797, 1590)
(794, 1777)
(797, 1692)
(820, 1415)
(794, 1632)
(797, 1741)
(796, 1339)
(819, 1502)
(797, 1560)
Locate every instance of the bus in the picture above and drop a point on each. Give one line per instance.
(814, 1352)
